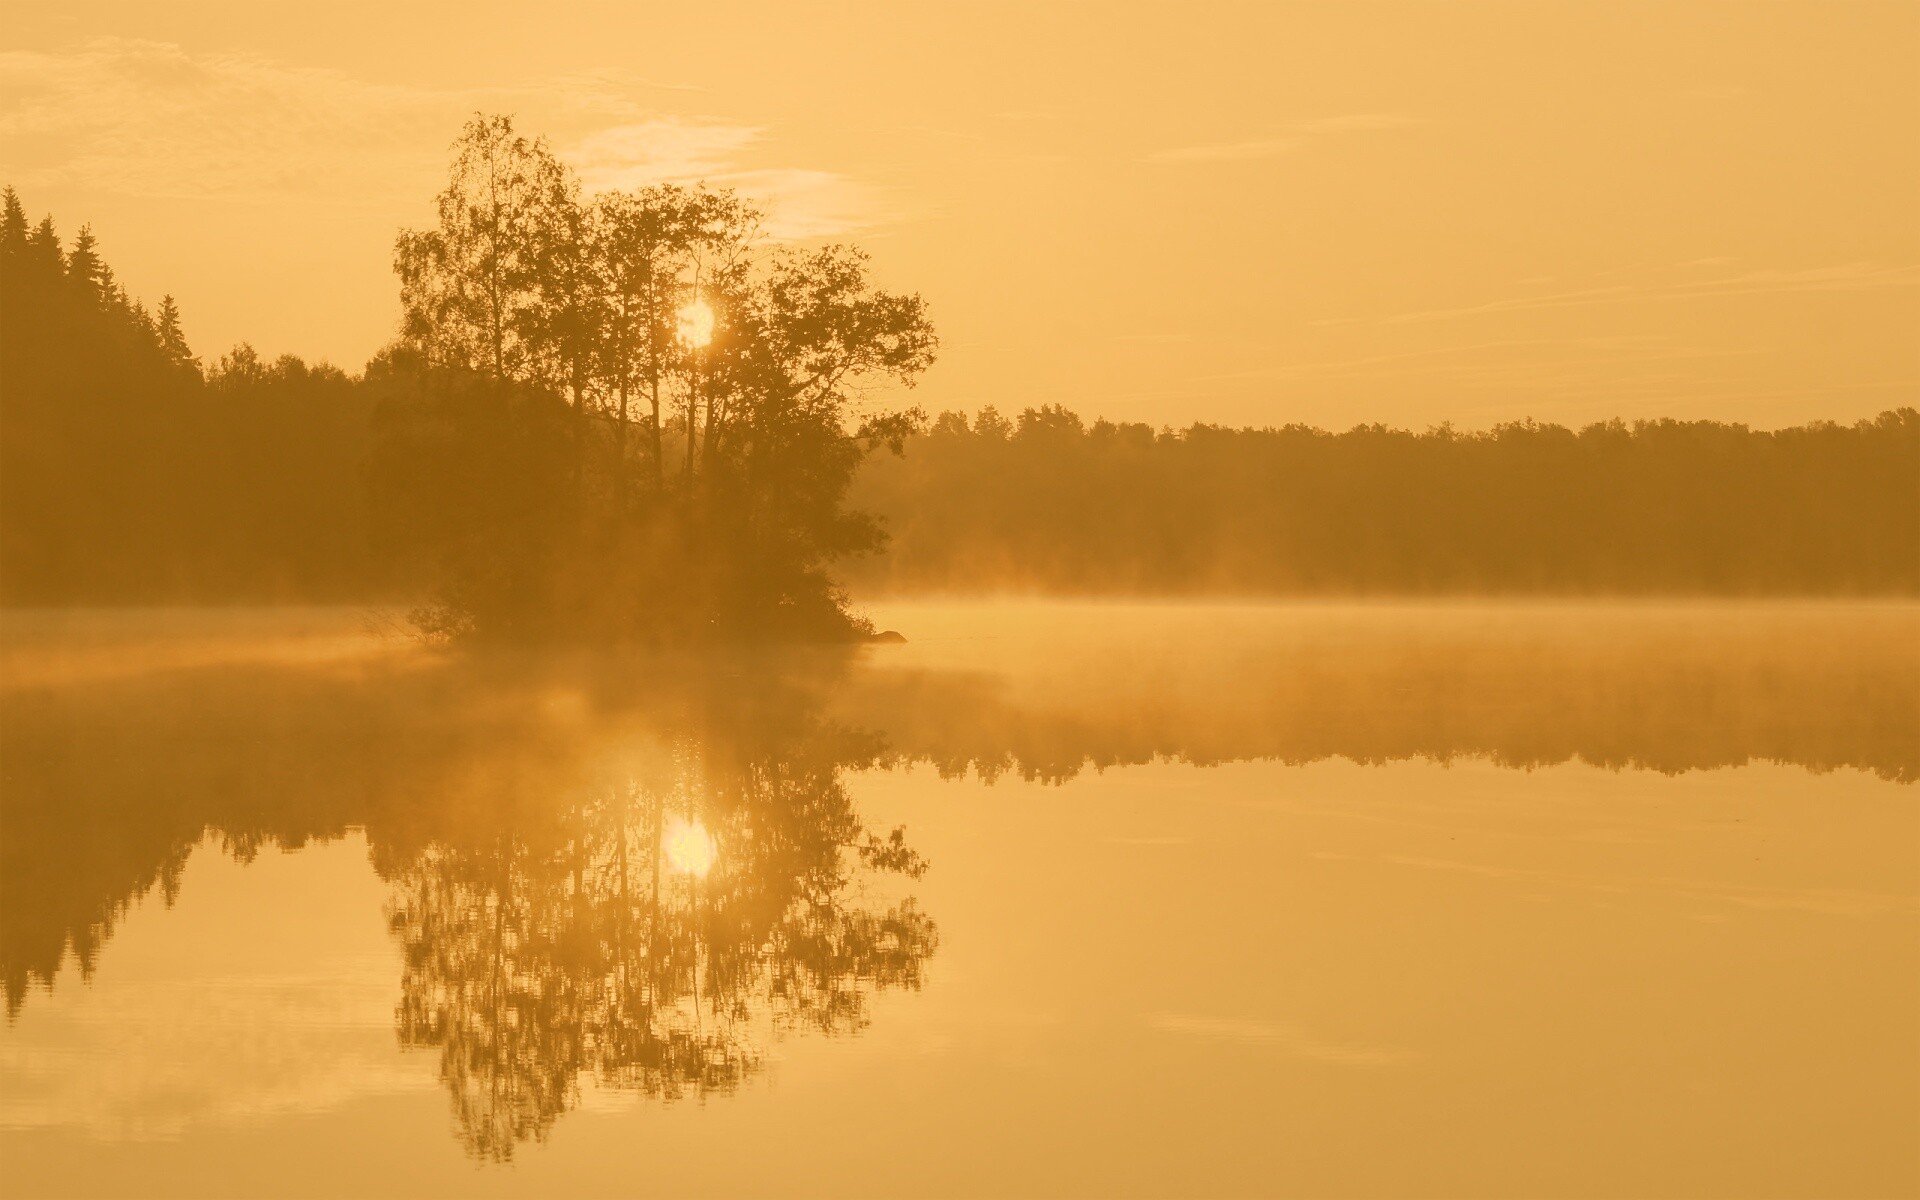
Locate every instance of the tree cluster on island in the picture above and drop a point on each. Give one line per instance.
(625, 417)
(639, 417)
(633, 418)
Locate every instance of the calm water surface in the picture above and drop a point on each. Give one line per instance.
(1050, 900)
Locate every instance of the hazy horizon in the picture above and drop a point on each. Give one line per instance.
(1330, 215)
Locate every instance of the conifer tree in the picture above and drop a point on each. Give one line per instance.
(86, 273)
(173, 342)
(43, 258)
(13, 224)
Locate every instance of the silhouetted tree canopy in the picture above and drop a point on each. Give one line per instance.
(667, 405)
(1048, 503)
(545, 454)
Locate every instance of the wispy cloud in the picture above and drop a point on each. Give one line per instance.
(1358, 121)
(150, 119)
(1293, 137)
(800, 202)
(154, 119)
(1229, 151)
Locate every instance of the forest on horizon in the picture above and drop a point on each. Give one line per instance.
(133, 472)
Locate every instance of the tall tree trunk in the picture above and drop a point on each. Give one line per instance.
(693, 417)
(659, 436)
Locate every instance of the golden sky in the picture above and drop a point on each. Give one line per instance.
(1329, 213)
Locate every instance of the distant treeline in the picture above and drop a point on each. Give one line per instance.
(127, 472)
(131, 472)
(1049, 503)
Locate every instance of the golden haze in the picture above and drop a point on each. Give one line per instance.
(1250, 214)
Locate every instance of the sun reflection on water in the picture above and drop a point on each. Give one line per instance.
(690, 849)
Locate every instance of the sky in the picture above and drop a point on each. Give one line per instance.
(1259, 214)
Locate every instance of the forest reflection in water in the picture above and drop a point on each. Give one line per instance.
(646, 873)
(648, 900)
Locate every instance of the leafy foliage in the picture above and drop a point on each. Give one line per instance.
(695, 483)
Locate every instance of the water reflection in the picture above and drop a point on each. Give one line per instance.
(655, 933)
(643, 874)
(641, 885)
(1046, 691)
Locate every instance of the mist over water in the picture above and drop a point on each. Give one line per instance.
(506, 906)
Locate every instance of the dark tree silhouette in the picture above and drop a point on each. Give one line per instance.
(126, 475)
(526, 302)
(546, 455)
(1048, 503)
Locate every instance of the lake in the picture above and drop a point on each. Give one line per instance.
(1051, 899)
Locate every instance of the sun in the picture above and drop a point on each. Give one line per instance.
(696, 323)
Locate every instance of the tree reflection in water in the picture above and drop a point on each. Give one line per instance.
(570, 939)
(521, 807)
